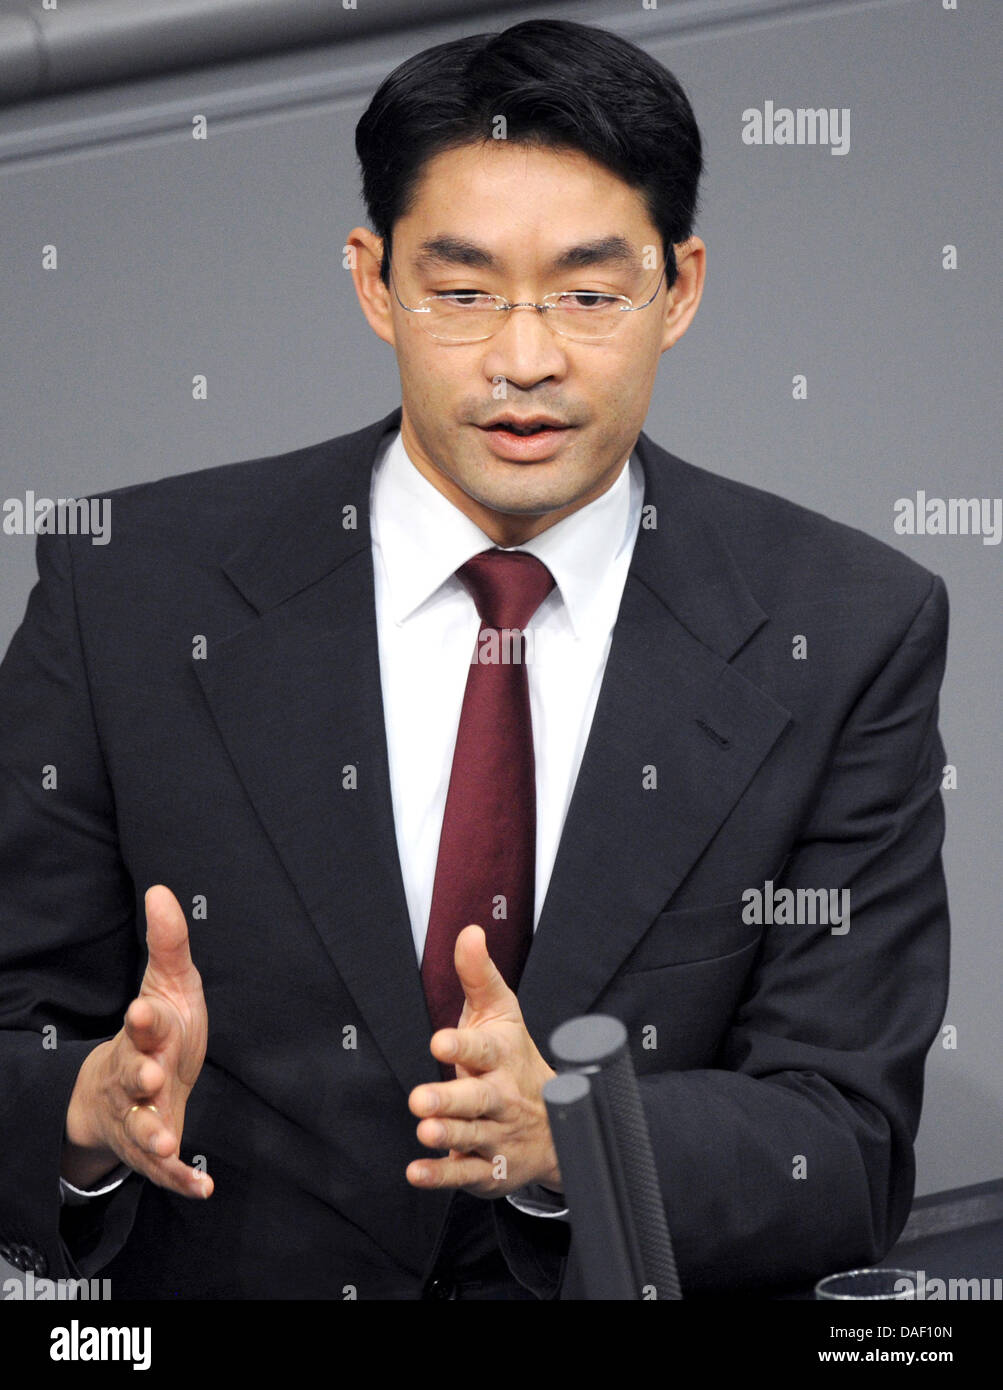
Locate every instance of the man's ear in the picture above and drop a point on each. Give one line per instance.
(685, 295)
(365, 253)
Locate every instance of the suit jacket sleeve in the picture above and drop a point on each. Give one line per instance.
(68, 945)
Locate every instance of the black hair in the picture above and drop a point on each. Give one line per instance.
(558, 84)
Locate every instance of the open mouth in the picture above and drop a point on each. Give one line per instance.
(525, 441)
(523, 431)
(516, 429)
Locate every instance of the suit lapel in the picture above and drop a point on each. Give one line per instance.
(669, 703)
(297, 699)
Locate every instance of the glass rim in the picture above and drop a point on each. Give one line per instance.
(483, 337)
(889, 1272)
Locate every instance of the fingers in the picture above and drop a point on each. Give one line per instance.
(483, 984)
(167, 935)
(150, 1147)
(144, 1100)
(477, 1049)
(131, 1091)
(145, 1127)
(458, 1170)
(476, 1105)
(143, 1078)
(469, 1098)
(149, 1023)
(482, 1137)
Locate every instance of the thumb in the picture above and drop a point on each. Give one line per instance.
(482, 981)
(167, 935)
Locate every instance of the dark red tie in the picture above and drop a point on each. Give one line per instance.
(485, 872)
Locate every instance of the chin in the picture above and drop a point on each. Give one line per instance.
(519, 482)
(507, 505)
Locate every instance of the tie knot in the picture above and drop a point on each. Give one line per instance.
(507, 586)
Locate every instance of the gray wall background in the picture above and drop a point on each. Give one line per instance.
(223, 256)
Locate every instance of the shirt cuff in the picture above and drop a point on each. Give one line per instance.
(535, 1200)
(70, 1196)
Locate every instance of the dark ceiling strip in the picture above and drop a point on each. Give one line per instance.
(88, 43)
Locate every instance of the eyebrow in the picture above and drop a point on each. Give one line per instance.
(449, 251)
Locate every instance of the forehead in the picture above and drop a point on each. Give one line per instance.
(515, 200)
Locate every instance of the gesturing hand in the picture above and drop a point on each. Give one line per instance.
(492, 1117)
(128, 1103)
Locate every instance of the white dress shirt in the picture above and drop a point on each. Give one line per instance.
(427, 627)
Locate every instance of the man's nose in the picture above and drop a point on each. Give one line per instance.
(525, 349)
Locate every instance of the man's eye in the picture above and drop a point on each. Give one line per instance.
(464, 299)
(587, 299)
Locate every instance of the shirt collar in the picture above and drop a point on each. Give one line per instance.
(424, 538)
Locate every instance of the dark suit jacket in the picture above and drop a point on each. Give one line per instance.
(780, 1066)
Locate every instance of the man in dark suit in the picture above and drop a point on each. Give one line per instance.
(260, 699)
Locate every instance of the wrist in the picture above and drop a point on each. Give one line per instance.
(84, 1158)
(85, 1168)
(551, 1179)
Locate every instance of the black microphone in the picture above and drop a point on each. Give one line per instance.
(620, 1237)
